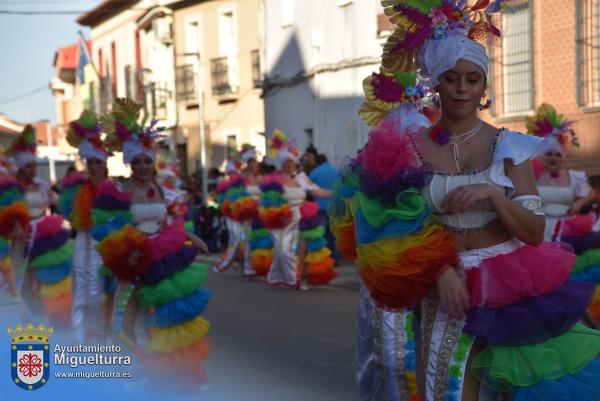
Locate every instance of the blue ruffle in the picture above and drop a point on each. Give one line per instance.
(590, 274)
(9, 199)
(581, 386)
(366, 234)
(53, 275)
(100, 231)
(170, 264)
(261, 242)
(316, 244)
(181, 310)
(272, 202)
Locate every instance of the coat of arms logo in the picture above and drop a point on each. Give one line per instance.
(30, 355)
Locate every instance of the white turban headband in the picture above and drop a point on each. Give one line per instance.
(21, 159)
(285, 154)
(89, 151)
(131, 149)
(247, 155)
(439, 55)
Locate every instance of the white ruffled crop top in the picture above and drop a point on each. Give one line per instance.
(557, 199)
(149, 217)
(253, 191)
(37, 199)
(508, 145)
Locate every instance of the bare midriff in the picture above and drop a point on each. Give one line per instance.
(491, 235)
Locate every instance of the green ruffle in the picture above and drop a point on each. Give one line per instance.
(589, 258)
(174, 287)
(53, 258)
(409, 205)
(272, 195)
(259, 233)
(503, 367)
(11, 195)
(101, 216)
(105, 271)
(314, 233)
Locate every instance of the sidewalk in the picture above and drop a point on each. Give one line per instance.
(347, 278)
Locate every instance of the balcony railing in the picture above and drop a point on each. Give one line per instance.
(220, 72)
(185, 84)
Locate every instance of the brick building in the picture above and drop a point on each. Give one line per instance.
(550, 54)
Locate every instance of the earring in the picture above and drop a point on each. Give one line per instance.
(485, 106)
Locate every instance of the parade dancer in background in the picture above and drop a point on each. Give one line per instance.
(456, 228)
(75, 204)
(229, 190)
(12, 210)
(283, 194)
(148, 253)
(42, 258)
(252, 179)
(565, 195)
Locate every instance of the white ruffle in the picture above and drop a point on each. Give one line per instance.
(579, 183)
(517, 147)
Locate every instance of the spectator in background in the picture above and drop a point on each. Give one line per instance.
(323, 174)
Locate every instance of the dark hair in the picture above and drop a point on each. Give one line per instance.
(313, 150)
(594, 181)
(321, 158)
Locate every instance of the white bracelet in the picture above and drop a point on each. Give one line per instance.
(530, 202)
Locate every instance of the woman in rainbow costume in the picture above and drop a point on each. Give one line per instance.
(11, 194)
(448, 231)
(42, 256)
(282, 195)
(75, 203)
(249, 205)
(565, 195)
(232, 198)
(159, 298)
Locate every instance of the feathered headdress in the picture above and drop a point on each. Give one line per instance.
(247, 152)
(22, 149)
(167, 167)
(125, 133)
(280, 147)
(418, 21)
(547, 123)
(85, 134)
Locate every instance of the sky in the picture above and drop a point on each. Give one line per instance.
(27, 46)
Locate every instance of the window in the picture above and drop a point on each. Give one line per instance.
(231, 144)
(228, 45)
(287, 12)
(219, 77)
(588, 53)
(511, 67)
(129, 81)
(113, 55)
(185, 82)
(256, 77)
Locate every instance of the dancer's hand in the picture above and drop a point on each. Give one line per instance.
(198, 243)
(452, 293)
(462, 198)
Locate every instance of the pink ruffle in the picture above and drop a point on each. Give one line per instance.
(73, 179)
(578, 226)
(309, 210)
(107, 187)
(274, 178)
(169, 240)
(526, 272)
(49, 225)
(222, 186)
(388, 152)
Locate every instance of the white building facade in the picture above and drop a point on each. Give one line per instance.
(315, 54)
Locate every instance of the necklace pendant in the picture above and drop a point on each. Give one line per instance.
(150, 193)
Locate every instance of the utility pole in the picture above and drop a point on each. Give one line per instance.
(200, 90)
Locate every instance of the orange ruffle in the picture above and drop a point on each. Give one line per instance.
(182, 360)
(243, 209)
(16, 212)
(81, 217)
(406, 277)
(261, 264)
(276, 217)
(320, 267)
(225, 208)
(117, 248)
(345, 239)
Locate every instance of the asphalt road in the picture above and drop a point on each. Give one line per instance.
(278, 343)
